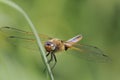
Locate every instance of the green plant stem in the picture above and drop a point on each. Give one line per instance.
(41, 49)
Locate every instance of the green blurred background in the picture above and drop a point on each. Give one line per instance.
(97, 20)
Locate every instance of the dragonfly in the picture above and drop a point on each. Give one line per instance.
(55, 45)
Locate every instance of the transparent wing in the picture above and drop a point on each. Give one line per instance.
(90, 53)
(27, 39)
(10, 31)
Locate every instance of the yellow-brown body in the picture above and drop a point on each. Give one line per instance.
(55, 45)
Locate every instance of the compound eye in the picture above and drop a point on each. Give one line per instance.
(48, 43)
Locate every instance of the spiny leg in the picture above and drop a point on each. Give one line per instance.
(55, 61)
(48, 61)
(51, 58)
(47, 54)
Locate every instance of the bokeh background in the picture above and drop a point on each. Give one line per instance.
(97, 20)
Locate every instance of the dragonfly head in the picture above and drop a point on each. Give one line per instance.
(49, 46)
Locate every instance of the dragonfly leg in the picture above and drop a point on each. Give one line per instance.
(47, 54)
(51, 58)
(55, 61)
(48, 60)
